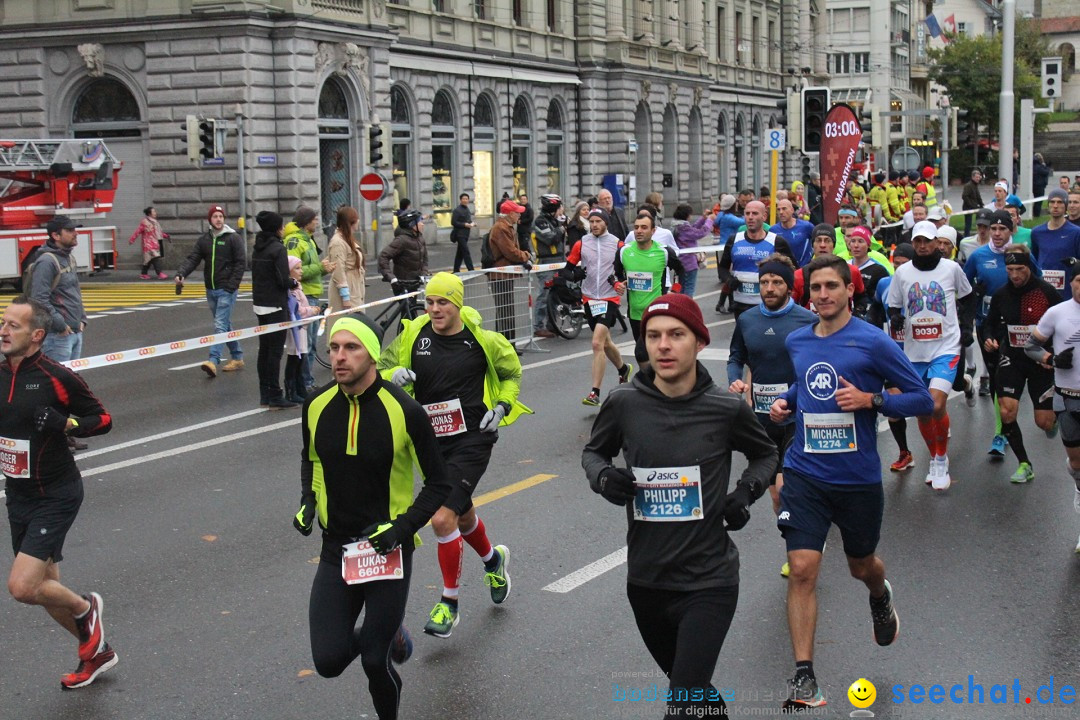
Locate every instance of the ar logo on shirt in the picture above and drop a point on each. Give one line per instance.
(821, 380)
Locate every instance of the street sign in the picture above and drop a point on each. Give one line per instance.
(631, 146)
(776, 139)
(372, 187)
(906, 159)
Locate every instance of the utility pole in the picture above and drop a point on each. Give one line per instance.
(1006, 102)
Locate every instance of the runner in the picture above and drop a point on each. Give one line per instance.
(361, 438)
(642, 271)
(743, 253)
(878, 316)
(1014, 311)
(683, 568)
(924, 298)
(468, 380)
(595, 254)
(1055, 240)
(824, 241)
(832, 473)
(871, 270)
(967, 246)
(758, 343)
(48, 404)
(1060, 325)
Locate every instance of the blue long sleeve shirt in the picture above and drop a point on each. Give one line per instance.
(830, 445)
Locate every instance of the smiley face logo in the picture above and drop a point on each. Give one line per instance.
(862, 693)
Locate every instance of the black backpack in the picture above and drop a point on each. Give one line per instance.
(487, 258)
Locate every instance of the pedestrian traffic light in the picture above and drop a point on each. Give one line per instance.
(1051, 77)
(789, 120)
(871, 123)
(208, 139)
(815, 105)
(375, 145)
(191, 137)
(805, 166)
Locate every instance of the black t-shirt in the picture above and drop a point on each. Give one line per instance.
(450, 367)
(872, 273)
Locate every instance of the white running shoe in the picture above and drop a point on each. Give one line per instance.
(931, 471)
(941, 479)
(1076, 500)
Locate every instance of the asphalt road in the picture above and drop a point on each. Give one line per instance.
(186, 533)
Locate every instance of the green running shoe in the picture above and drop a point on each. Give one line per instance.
(442, 621)
(1023, 474)
(499, 579)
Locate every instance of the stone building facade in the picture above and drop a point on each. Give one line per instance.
(481, 96)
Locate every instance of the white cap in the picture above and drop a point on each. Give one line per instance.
(948, 232)
(935, 213)
(1001, 184)
(924, 228)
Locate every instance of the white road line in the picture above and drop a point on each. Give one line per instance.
(188, 367)
(589, 572)
(114, 312)
(170, 433)
(187, 448)
(93, 317)
(144, 308)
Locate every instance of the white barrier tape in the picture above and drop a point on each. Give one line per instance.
(178, 346)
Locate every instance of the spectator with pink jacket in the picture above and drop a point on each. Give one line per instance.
(296, 341)
(151, 233)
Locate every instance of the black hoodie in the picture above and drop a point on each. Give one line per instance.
(699, 429)
(269, 272)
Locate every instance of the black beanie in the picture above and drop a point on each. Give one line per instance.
(269, 221)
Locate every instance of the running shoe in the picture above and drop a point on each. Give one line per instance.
(1053, 431)
(941, 479)
(499, 578)
(803, 692)
(785, 570)
(903, 462)
(401, 647)
(997, 448)
(969, 390)
(1076, 500)
(1023, 474)
(886, 621)
(91, 632)
(443, 619)
(88, 670)
(592, 400)
(984, 386)
(624, 375)
(931, 471)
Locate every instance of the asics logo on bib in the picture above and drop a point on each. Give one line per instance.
(661, 476)
(784, 516)
(821, 380)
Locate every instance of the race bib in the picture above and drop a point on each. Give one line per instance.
(1019, 334)
(670, 494)
(447, 418)
(15, 457)
(765, 395)
(897, 335)
(926, 329)
(1055, 278)
(986, 304)
(361, 564)
(829, 432)
(598, 308)
(639, 281)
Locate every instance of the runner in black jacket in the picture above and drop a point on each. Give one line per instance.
(42, 403)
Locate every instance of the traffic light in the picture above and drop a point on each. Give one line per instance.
(871, 123)
(790, 113)
(955, 124)
(815, 106)
(191, 133)
(805, 167)
(375, 145)
(208, 139)
(1051, 77)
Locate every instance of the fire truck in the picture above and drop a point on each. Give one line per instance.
(43, 179)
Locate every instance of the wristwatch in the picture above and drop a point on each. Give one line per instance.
(877, 401)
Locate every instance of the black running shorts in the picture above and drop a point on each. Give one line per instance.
(608, 317)
(808, 507)
(467, 456)
(1012, 375)
(39, 523)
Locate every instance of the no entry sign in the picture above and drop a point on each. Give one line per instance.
(372, 187)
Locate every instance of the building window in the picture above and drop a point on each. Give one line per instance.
(443, 152)
(896, 122)
(483, 129)
(400, 144)
(517, 12)
(772, 49)
(755, 42)
(480, 9)
(552, 17)
(520, 146)
(335, 151)
(841, 64)
(721, 34)
(108, 102)
(555, 144)
(862, 62)
(438, 5)
(961, 28)
(740, 57)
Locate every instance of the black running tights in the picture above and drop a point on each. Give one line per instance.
(336, 641)
(684, 632)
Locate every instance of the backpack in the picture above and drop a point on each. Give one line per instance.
(487, 258)
(32, 262)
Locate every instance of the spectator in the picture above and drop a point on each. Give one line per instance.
(1040, 178)
(296, 341)
(221, 250)
(270, 283)
(406, 257)
(524, 226)
(618, 226)
(151, 234)
(687, 235)
(461, 220)
(347, 278)
(971, 199)
(300, 242)
(577, 224)
(505, 250)
(813, 198)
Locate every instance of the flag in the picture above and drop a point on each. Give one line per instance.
(932, 25)
(948, 28)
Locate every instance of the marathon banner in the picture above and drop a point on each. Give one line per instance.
(843, 134)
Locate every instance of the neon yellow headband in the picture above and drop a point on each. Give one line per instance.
(363, 333)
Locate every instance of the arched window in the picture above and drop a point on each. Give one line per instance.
(520, 146)
(443, 154)
(555, 145)
(722, 165)
(106, 108)
(335, 151)
(756, 153)
(483, 129)
(401, 143)
(740, 154)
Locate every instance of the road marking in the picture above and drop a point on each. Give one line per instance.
(512, 488)
(169, 434)
(589, 572)
(188, 367)
(114, 312)
(188, 448)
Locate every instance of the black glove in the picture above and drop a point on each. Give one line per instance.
(527, 266)
(966, 336)
(304, 519)
(617, 485)
(1062, 361)
(384, 537)
(737, 508)
(896, 321)
(45, 418)
(293, 283)
(979, 288)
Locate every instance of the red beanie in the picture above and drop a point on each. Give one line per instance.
(680, 307)
(927, 172)
(214, 209)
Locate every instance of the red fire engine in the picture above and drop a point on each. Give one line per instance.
(41, 179)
